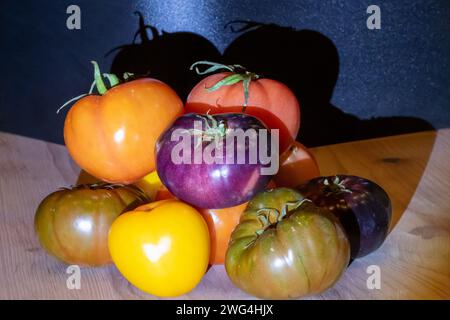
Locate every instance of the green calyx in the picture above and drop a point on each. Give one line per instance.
(239, 73)
(266, 215)
(98, 83)
(214, 131)
(335, 186)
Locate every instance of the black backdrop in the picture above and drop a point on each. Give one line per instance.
(352, 82)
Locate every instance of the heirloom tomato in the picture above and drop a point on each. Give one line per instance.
(73, 224)
(361, 205)
(297, 165)
(221, 223)
(286, 247)
(238, 90)
(113, 135)
(224, 174)
(162, 248)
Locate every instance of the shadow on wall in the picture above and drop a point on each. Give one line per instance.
(308, 62)
(305, 60)
(164, 56)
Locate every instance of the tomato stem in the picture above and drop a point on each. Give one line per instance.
(239, 73)
(212, 132)
(97, 83)
(101, 88)
(112, 78)
(264, 214)
(336, 186)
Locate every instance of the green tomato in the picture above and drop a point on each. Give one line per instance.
(73, 224)
(285, 247)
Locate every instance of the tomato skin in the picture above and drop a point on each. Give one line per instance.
(162, 248)
(150, 184)
(269, 100)
(297, 166)
(220, 183)
(73, 224)
(113, 136)
(303, 254)
(362, 206)
(221, 223)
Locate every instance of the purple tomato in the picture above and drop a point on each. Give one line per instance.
(362, 206)
(216, 161)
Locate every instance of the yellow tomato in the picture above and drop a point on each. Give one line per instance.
(162, 247)
(150, 184)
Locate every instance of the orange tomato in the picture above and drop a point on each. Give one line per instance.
(113, 136)
(269, 100)
(297, 165)
(221, 223)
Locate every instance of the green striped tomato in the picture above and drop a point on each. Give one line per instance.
(72, 224)
(286, 247)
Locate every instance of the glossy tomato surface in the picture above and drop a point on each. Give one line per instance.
(362, 206)
(113, 136)
(73, 224)
(162, 248)
(269, 100)
(297, 166)
(285, 247)
(221, 223)
(224, 182)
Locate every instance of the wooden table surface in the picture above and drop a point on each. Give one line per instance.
(414, 261)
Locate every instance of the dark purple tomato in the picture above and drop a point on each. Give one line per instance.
(362, 206)
(206, 160)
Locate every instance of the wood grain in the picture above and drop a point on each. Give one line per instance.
(414, 261)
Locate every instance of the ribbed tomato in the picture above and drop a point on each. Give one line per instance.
(285, 247)
(113, 135)
(228, 92)
(73, 224)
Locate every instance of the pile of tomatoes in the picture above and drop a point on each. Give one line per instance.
(161, 222)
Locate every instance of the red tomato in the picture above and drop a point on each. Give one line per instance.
(269, 100)
(297, 165)
(164, 194)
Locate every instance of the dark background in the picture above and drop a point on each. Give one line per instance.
(352, 82)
